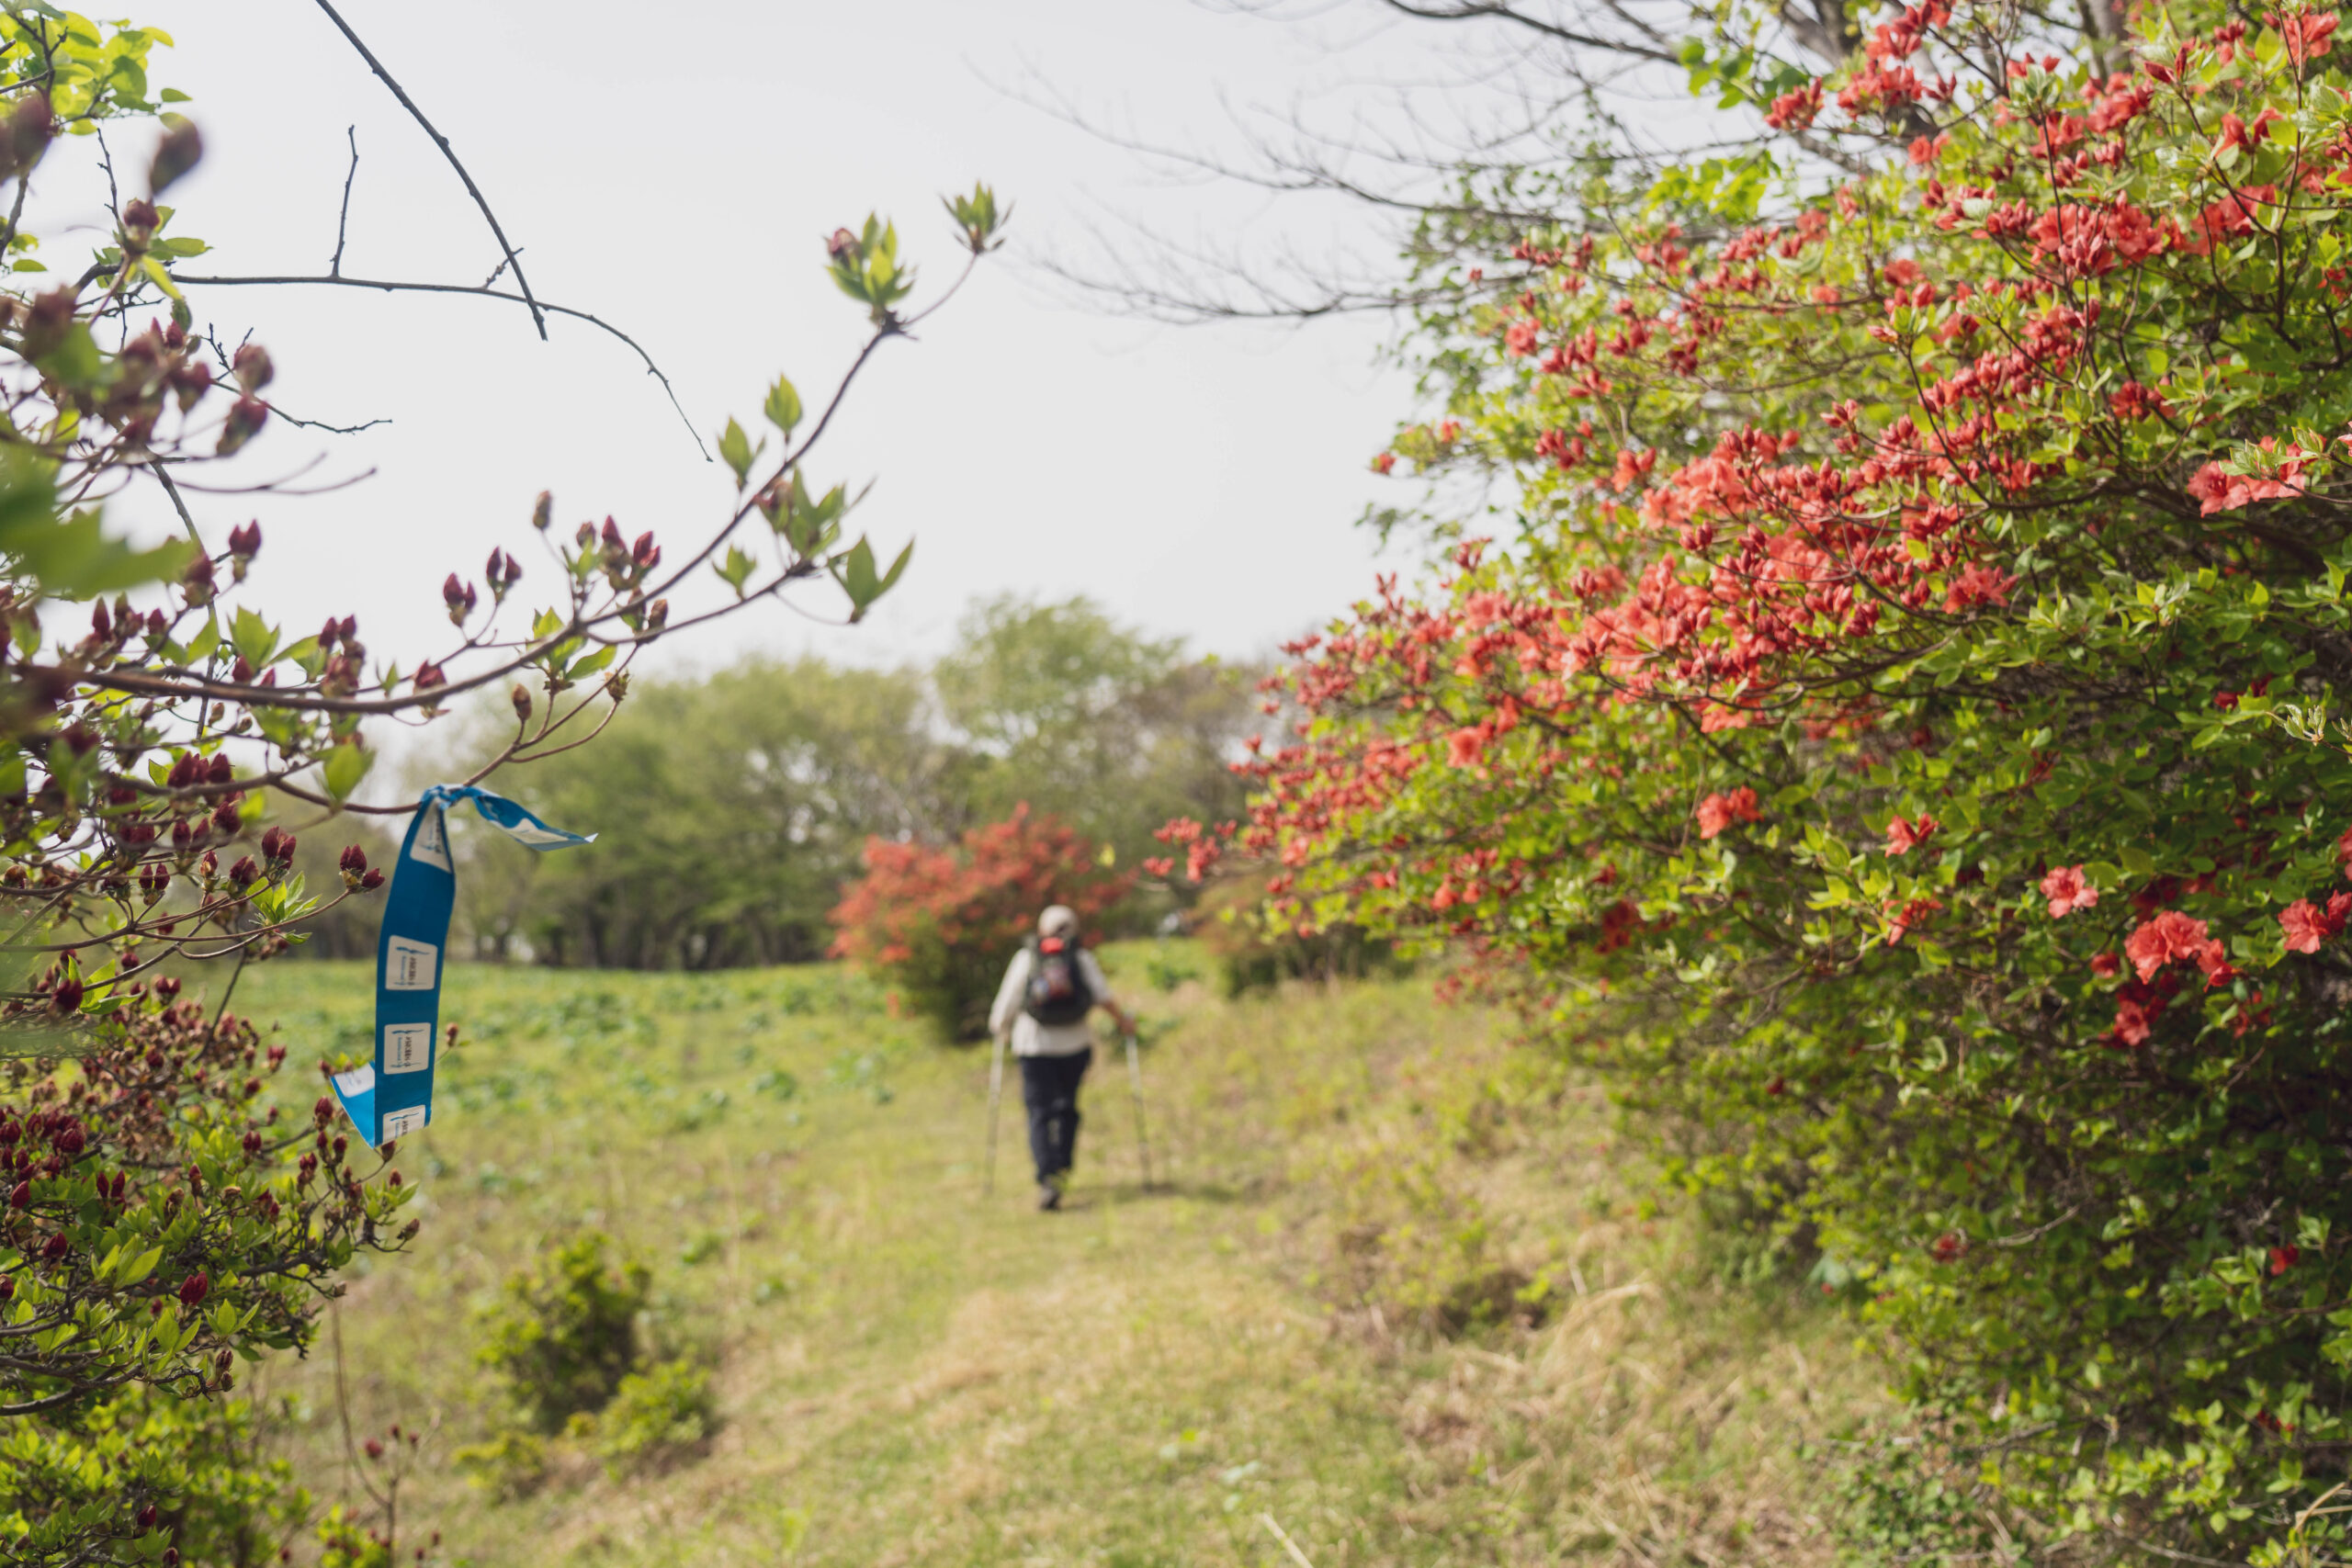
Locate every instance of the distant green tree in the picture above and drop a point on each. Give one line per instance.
(1111, 730)
(733, 808)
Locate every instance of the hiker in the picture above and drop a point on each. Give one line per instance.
(1049, 988)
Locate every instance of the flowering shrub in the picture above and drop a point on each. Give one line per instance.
(165, 1215)
(1900, 740)
(942, 924)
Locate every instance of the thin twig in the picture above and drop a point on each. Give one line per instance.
(651, 369)
(447, 152)
(343, 219)
(163, 477)
(235, 976)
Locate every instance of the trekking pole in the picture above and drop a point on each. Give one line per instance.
(1135, 1083)
(996, 1093)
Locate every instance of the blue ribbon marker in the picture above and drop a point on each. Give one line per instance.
(392, 1097)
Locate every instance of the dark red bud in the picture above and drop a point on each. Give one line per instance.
(178, 153)
(353, 858)
(252, 369)
(372, 881)
(246, 416)
(22, 1197)
(220, 769)
(194, 1289)
(55, 1248)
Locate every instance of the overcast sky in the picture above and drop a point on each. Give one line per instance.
(673, 169)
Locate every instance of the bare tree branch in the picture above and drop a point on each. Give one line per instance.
(538, 315)
(390, 286)
(343, 219)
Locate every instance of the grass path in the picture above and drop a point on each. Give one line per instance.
(908, 1374)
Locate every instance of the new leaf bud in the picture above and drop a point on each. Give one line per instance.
(521, 698)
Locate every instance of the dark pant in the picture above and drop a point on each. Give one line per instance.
(1049, 1088)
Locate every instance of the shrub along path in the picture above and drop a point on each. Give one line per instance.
(1398, 1294)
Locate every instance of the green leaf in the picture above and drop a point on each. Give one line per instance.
(254, 639)
(736, 569)
(75, 361)
(783, 407)
(343, 769)
(735, 449)
(70, 556)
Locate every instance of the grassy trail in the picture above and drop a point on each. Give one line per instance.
(908, 1374)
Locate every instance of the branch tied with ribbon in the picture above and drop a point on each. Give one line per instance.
(392, 1096)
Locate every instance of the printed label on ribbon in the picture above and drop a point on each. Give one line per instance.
(392, 1096)
(411, 966)
(408, 1047)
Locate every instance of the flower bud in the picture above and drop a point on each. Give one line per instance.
(220, 770)
(55, 1248)
(253, 367)
(245, 874)
(245, 541)
(246, 416)
(521, 698)
(461, 599)
(352, 858)
(543, 510)
(194, 1289)
(139, 219)
(328, 635)
(22, 1197)
(31, 127)
(196, 583)
(71, 1139)
(372, 881)
(67, 997)
(181, 149)
(842, 246)
(375, 1449)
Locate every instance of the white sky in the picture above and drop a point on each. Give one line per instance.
(674, 169)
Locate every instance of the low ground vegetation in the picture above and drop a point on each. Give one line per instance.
(1403, 1289)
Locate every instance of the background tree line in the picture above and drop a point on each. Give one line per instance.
(733, 806)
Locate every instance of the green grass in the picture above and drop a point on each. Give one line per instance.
(1400, 1291)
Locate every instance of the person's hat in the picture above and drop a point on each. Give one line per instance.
(1059, 919)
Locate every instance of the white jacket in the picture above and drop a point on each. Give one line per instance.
(1031, 1038)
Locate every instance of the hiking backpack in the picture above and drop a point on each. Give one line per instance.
(1057, 988)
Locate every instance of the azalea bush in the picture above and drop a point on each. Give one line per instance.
(1894, 729)
(170, 1208)
(940, 925)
